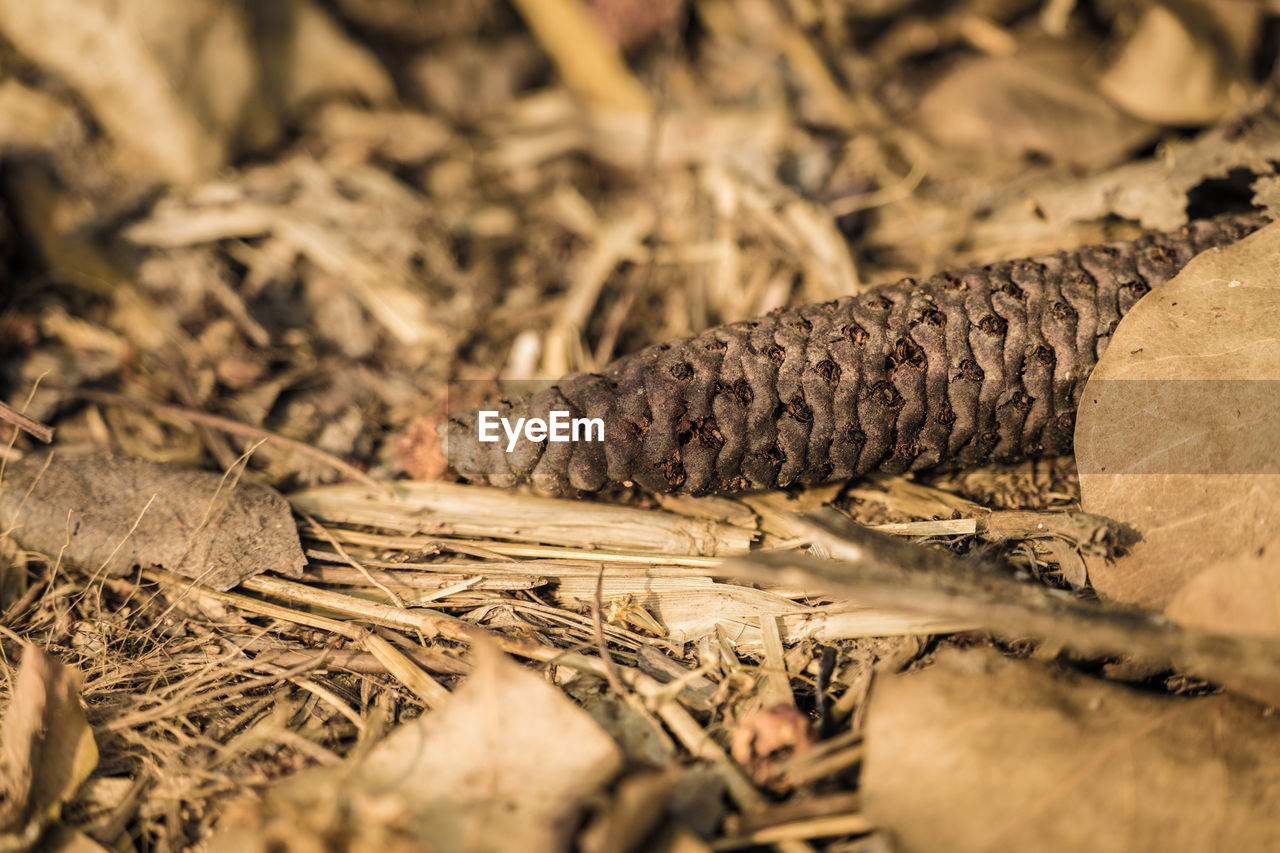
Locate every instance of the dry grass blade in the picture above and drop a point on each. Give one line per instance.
(444, 508)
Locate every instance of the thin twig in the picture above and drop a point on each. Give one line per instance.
(318, 529)
(597, 622)
(33, 428)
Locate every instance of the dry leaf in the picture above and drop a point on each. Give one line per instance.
(1037, 101)
(322, 59)
(1239, 594)
(102, 511)
(32, 119)
(1178, 432)
(172, 81)
(1175, 69)
(984, 753)
(48, 748)
(506, 764)
(511, 757)
(187, 85)
(636, 807)
(1151, 191)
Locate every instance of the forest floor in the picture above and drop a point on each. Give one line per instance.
(255, 254)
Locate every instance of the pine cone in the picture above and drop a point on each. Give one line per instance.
(960, 369)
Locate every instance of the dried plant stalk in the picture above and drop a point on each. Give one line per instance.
(961, 368)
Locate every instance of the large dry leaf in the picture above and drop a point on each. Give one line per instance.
(1178, 432)
(984, 753)
(506, 764)
(322, 59)
(1038, 101)
(107, 512)
(49, 749)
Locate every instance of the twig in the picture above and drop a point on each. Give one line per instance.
(885, 572)
(597, 622)
(318, 529)
(32, 427)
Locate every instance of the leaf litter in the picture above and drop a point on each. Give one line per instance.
(271, 248)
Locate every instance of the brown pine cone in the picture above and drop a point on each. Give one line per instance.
(964, 367)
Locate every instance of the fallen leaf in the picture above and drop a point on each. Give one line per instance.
(506, 764)
(102, 511)
(171, 81)
(30, 118)
(509, 758)
(980, 752)
(637, 733)
(637, 806)
(322, 59)
(1176, 68)
(1238, 594)
(1178, 432)
(1152, 191)
(48, 749)
(1037, 101)
(185, 86)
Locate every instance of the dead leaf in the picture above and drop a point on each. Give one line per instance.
(635, 809)
(1152, 191)
(1238, 594)
(1178, 432)
(49, 749)
(984, 753)
(506, 764)
(322, 59)
(636, 732)
(184, 86)
(510, 757)
(172, 81)
(1038, 101)
(31, 119)
(102, 511)
(1176, 68)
